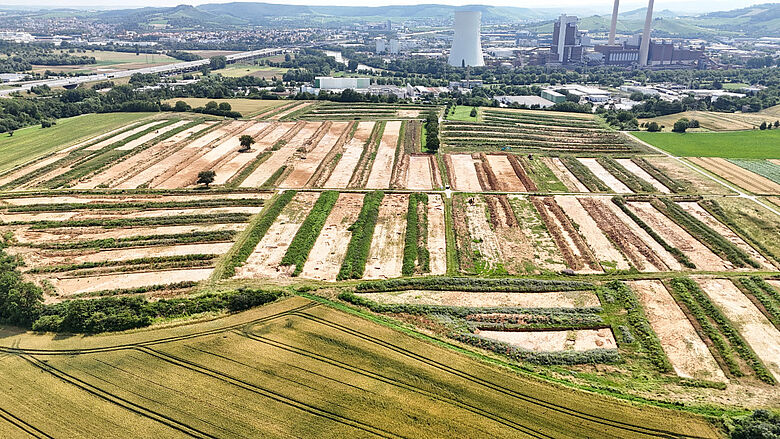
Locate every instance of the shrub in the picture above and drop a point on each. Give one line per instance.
(680, 126)
(415, 251)
(206, 177)
(362, 232)
(473, 284)
(653, 127)
(301, 245)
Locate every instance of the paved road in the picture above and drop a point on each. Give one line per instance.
(168, 68)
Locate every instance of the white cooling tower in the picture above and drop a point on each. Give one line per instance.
(466, 45)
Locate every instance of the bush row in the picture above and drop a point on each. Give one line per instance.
(257, 229)
(765, 294)
(362, 232)
(584, 175)
(416, 253)
(710, 238)
(512, 128)
(128, 312)
(583, 318)
(140, 241)
(271, 182)
(703, 309)
(110, 223)
(681, 257)
(129, 205)
(152, 261)
(633, 182)
(594, 356)
(473, 284)
(717, 211)
(659, 175)
(135, 291)
(638, 321)
(301, 245)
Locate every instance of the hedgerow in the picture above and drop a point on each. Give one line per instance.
(703, 309)
(152, 262)
(140, 241)
(271, 182)
(135, 291)
(638, 321)
(143, 205)
(301, 245)
(710, 238)
(473, 285)
(593, 356)
(765, 294)
(109, 223)
(584, 175)
(255, 233)
(681, 257)
(416, 253)
(673, 185)
(633, 182)
(362, 232)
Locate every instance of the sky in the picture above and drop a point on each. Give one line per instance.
(597, 6)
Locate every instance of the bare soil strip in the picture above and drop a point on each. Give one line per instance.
(289, 110)
(754, 327)
(603, 249)
(741, 177)
(702, 215)
(554, 341)
(385, 257)
(34, 258)
(641, 173)
(464, 173)
(507, 179)
(135, 143)
(419, 174)
(328, 252)
(564, 175)
(281, 156)
(304, 170)
(517, 248)
(701, 256)
(575, 252)
(265, 135)
(26, 236)
(567, 299)
(124, 135)
(382, 169)
(482, 235)
(264, 260)
(345, 167)
(69, 286)
(437, 241)
(604, 175)
(688, 354)
(535, 248)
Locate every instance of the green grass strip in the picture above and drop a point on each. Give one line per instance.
(673, 185)
(141, 241)
(633, 182)
(142, 205)
(257, 229)
(212, 218)
(150, 261)
(763, 292)
(362, 232)
(585, 175)
(301, 245)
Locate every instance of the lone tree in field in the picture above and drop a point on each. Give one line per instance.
(681, 125)
(246, 142)
(473, 112)
(653, 127)
(206, 177)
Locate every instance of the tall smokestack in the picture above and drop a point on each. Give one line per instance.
(644, 47)
(613, 26)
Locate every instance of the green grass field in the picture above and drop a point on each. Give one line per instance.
(463, 113)
(296, 368)
(739, 144)
(247, 107)
(32, 142)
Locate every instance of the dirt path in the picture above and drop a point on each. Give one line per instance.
(602, 248)
(688, 354)
(264, 260)
(568, 299)
(305, 169)
(555, 341)
(604, 175)
(281, 156)
(70, 286)
(437, 244)
(328, 252)
(741, 177)
(464, 173)
(124, 135)
(35, 258)
(345, 167)
(701, 256)
(419, 175)
(702, 215)
(564, 175)
(385, 257)
(754, 327)
(507, 178)
(641, 173)
(382, 169)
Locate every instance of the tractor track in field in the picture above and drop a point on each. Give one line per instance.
(654, 432)
(22, 425)
(391, 381)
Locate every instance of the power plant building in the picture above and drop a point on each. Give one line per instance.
(466, 44)
(566, 46)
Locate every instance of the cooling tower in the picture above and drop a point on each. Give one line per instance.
(466, 45)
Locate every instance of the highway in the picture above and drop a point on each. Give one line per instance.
(164, 69)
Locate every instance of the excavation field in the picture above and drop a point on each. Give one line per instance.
(568, 299)
(554, 341)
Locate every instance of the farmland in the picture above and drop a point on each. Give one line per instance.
(736, 144)
(580, 257)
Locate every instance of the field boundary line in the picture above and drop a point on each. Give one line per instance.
(22, 425)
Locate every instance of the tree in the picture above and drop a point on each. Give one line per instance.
(181, 107)
(761, 424)
(224, 106)
(680, 126)
(762, 126)
(693, 123)
(473, 112)
(211, 105)
(352, 65)
(10, 133)
(206, 177)
(653, 127)
(246, 142)
(217, 62)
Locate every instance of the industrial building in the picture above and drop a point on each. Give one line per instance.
(566, 45)
(330, 83)
(466, 44)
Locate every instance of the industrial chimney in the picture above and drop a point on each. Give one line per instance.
(466, 45)
(644, 46)
(613, 25)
